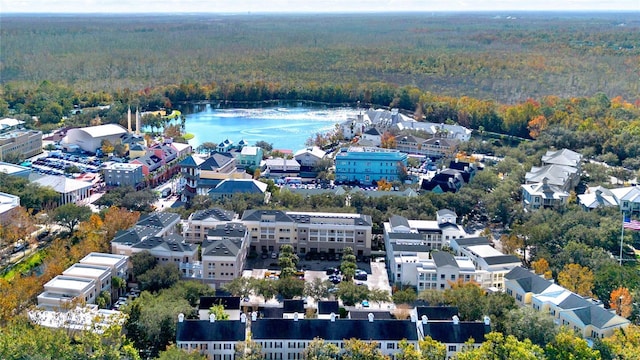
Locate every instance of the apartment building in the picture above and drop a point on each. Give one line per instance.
(199, 223)
(286, 339)
(308, 231)
(491, 264)
(26, 143)
(224, 253)
(61, 291)
(587, 317)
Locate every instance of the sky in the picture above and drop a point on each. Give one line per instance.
(306, 6)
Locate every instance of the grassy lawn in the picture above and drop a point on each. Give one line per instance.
(25, 265)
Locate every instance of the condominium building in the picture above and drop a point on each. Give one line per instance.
(365, 165)
(199, 223)
(26, 143)
(118, 174)
(61, 291)
(585, 316)
(308, 231)
(224, 253)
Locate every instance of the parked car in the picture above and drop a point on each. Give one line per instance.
(361, 277)
(365, 303)
(274, 255)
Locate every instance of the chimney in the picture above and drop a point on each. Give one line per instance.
(456, 320)
(370, 316)
(180, 317)
(413, 317)
(295, 316)
(487, 320)
(254, 316)
(243, 318)
(284, 165)
(212, 318)
(425, 320)
(129, 119)
(333, 317)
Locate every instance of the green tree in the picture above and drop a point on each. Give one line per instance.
(499, 347)
(264, 145)
(527, 323)
(356, 349)
(160, 277)
(152, 320)
(218, 311)
(290, 287)
(266, 288)
(408, 351)
(351, 293)
(469, 298)
(317, 289)
(142, 262)
(379, 296)
(432, 349)
(348, 266)
(69, 215)
(241, 286)
(404, 296)
(174, 353)
(318, 349)
(567, 346)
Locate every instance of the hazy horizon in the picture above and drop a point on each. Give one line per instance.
(297, 7)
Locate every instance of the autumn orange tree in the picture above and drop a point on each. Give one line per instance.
(388, 141)
(541, 267)
(621, 301)
(577, 279)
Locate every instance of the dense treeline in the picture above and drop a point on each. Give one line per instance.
(598, 126)
(490, 57)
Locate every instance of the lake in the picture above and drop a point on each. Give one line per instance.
(284, 127)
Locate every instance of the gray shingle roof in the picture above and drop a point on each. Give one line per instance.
(443, 258)
(527, 280)
(159, 219)
(215, 213)
(397, 220)
(224, 247)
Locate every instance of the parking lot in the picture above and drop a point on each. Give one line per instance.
(376, 271)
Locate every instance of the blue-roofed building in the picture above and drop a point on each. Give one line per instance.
(364, 165)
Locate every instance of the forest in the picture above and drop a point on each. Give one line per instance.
(525, 83)
(490, 56)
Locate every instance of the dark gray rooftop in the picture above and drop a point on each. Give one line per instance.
(228, 302)
(328, 307)
(308, 329)
(203, 331)
(502, 259)
(437, 312)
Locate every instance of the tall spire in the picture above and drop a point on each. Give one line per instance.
(129, 119)
(138, 121)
